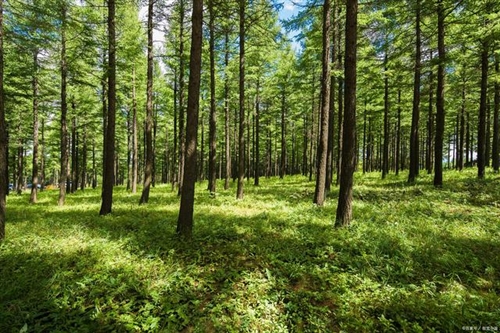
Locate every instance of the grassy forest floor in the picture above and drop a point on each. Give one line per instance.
(416, 259)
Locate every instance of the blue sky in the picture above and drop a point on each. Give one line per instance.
(290, 9)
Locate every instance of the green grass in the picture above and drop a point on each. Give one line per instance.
(416, 259)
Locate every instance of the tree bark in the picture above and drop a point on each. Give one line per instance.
(212, 158)
(440, 112)
(322, 153)
(182, 132)
(148, 170)
(414, 142)
(344, 208)
(496, 142)
(64, 110)
(4, 182)
(226, 112)
(185, 220)
(241, 135)
(385, 162)
(398, 135)
(34, 177)
(283, 156)
(109, 158)
(481, 131)
(257, 136)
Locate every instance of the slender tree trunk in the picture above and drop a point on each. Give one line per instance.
(340, 87)
(185, 220)
(385, 162)
(257, 136)
(344, 208)
(481, 132)
(440, 113)
(331, 118)
(42, 156)
(460, 160)
(83, 181)
(135, 146)
(64, 110)
(487, 152)
(212, 159)
(430, 125)
(34, 177)
(182, 131)
(414, 142)
(148, 170)
(226, 113)
(283, 134)
(109, 158)
(496, 142)
(4, 181)
(74, 154)
(94, 167)
(322, 153)
(398, 135)
(241, 136)
(173, 174)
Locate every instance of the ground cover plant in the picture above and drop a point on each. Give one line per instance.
(416, 259)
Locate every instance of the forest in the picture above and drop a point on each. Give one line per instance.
(249, 166)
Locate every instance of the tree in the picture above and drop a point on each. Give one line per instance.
(185, 219)
(3, 136)
(414, 141)
(109, 156)
(496, 125)
(148, 170)
(481, 140)
(440, 116)
(344, 208)
(212, 160)
(241, 135)
(322, 154)
(64, 110)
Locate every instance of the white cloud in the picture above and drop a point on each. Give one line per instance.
(289, 6)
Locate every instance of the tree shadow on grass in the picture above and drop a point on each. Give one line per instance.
(258, 272)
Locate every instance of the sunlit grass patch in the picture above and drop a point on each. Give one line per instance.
(416, 259)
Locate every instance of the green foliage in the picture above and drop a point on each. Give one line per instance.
(416, 259)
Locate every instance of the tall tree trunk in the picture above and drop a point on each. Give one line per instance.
(226, 112)
(83, 181)
(182, 131)
(487, 152)
(185, 220)
(398, 135)
(331, 117)
(481, 131)
(385, 162)
(148, 170)
(42, 156)
(430, 124)
(257, 136)
(135, 143)
(212, 158)
(414, 142)
(109, 158)
(460, 160)
(344, 208)
(283, 134)
(173, 174)
(241, 136)
(340, 87)
(440, 116)
(495, 156)
(74, 154)
(4, 181)
(64, 110)
(34, 177)
(322, 153)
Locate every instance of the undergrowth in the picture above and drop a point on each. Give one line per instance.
(416, 259)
